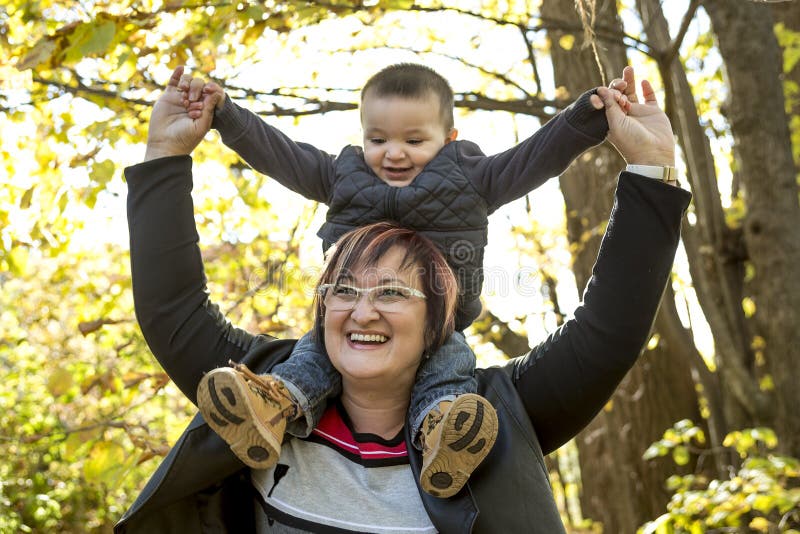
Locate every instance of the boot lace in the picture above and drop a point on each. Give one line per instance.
(428, 424)
(270, 390)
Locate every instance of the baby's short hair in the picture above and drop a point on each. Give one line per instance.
(412, 80)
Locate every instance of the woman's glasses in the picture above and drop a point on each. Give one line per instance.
(387, 298)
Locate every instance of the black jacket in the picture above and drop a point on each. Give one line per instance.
(542, 398)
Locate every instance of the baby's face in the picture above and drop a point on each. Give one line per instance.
(401, 135)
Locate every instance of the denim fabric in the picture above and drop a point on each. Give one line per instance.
(310, 377)
(446, 374)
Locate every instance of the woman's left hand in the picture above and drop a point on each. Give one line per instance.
(643, 135)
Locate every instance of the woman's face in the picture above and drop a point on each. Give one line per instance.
(398, 338)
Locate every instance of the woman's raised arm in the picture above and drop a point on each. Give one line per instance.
(567, 379)
(184, 330)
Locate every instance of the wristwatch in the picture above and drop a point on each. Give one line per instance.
(663, 173)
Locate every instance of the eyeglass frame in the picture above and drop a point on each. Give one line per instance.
(369, 292)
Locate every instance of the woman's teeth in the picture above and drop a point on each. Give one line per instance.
(369, 338)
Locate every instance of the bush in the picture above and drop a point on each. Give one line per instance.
(762, 494)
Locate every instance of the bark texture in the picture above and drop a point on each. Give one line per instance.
(763, 156)
(620, 489)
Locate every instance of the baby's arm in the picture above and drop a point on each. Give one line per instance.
(547, 153)
(300, 167)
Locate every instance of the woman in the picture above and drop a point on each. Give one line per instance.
(542, 398)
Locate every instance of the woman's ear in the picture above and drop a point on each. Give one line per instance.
(451, 136)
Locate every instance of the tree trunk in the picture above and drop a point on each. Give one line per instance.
(620, 489)
(712, 248)
(762, 151)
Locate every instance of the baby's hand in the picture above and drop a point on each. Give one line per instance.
(622, 89)
(194, 93)
(627, 87)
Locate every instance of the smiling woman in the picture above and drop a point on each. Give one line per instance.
(389, 256)
(358, 471)
(386, 255)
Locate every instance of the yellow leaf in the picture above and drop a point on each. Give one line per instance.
(749, 306)
(758, 343)
(760, 524)
(59, 382)
(18, 260)
(76, 444)
(102, 171)
(680, 455)
(766, 383)
(105, 461)
(562, 93)
(90, 39)
(567, 41)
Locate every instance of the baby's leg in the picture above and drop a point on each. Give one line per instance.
(311, 378)
(442, 376)
(456, 428)
(253, 412)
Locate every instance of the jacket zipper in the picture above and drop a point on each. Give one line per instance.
(391, 204)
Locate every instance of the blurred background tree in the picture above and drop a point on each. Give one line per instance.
(87, 413)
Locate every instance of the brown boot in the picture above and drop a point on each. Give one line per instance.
(456, 438)
(248, 411)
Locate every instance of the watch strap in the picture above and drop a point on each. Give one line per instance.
(657, 172)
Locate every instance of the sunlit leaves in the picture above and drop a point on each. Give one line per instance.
(761, 494)
(789, 41)
(679, 441)
(67, 417)
(106, 463)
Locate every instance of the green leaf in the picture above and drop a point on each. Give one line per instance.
(25, 201)
(41, 52)
(102, 171)
(90, 39)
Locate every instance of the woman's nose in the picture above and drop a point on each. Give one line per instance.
(364, 311)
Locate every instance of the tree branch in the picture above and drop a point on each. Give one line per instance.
(672, 50)
(82, 90)
(497, 332)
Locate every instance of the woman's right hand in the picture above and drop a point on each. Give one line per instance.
(643, 135)
(172, 131)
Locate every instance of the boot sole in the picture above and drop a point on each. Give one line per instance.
(468, 435)
(224, 401)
